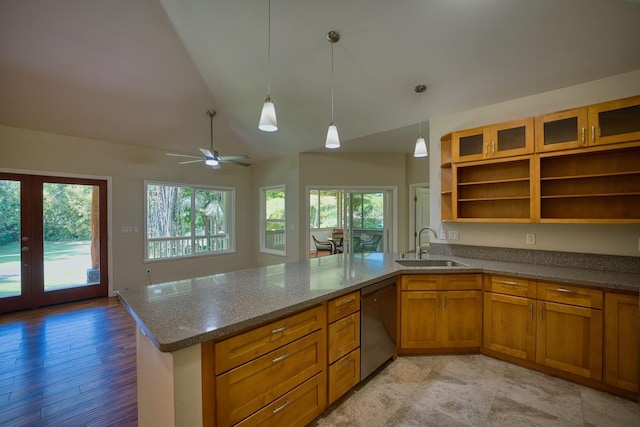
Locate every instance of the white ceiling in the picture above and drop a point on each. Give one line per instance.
(144, 72)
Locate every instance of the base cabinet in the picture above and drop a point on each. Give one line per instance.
(510, 325)
(442, 318)
(621, 341)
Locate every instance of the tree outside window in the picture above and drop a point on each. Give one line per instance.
(186, 221)
(273, 224)
(325, 209)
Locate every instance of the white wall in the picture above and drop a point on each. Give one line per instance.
(614, 239)
(128, 166)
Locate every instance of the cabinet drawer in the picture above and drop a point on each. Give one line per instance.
(296, 408)
(343, 375)
(441, 282)
(512, 286)
(242, 348)
(247, 388)
(342, 306)
(344, 336)
(567, 294)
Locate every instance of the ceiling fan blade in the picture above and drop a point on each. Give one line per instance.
(182, 155)
(190, 161)
(236, 157)
(207, 153)
(233, 162)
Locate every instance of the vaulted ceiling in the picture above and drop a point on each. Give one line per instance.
(144, 72)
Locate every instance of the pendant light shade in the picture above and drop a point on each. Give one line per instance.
(333, 140)
(421, 145)
(421, 148)
(268, 121)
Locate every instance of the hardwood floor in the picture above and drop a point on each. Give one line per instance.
(68, 365)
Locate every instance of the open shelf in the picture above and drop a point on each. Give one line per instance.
(446, 179)
(493, 209)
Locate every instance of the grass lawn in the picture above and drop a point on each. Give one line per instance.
(65, 265)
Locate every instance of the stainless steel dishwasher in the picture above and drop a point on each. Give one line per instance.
(377, 325)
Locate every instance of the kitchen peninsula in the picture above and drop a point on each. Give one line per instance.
(178, 321)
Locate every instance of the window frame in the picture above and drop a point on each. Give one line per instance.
(264, 220)
(339, 207)
(230, 219)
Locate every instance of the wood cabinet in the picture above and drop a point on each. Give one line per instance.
(605, 123)
(344, 344)
(512, 138)
(500, 191)
(446, 180)
(509, 317)
(586, 168)
(273, 372)
(569, 331)
(440, 311)
(621, 340)
(598, 185)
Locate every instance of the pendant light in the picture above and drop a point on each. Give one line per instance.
(421, 145)
(268, 121)
(333, 140)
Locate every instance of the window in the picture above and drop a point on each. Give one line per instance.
(367, 210)
(183, 221)
(273, 224)
(325, 209)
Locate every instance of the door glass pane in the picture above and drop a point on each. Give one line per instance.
(620, 121)
(10, 272)
(71, 235)
(471, 145)
(366, 217)
(512, 139)
(559, 131)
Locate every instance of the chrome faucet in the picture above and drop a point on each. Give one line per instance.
(420, 252)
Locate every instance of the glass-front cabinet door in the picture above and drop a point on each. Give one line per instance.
(615, 121)
(562, 130)
(471, 144)
(511, 138)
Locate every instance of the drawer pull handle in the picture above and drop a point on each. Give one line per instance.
(347, 301)
(280, 358)
(566, 291)
(541, 312)
(347, 363)
(281, 407)
(346, 324)
(531, 311)
(282, 329)
(593, 134)
(506, 282)
(584, 141)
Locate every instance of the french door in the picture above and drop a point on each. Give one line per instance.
(53, 240)
(368, 220)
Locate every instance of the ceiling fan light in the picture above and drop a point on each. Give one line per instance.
(268, 121)
(333, 140)
(211, 162)
(421, 148)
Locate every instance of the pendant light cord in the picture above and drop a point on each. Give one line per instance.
(419, 114)
(269, 51)
(332, 82)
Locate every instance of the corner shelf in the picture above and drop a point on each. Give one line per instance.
(446, 182)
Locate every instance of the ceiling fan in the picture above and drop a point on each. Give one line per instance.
(211, 157)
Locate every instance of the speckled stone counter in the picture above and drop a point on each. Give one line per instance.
(179, 314)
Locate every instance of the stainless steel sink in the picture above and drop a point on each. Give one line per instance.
(429, 263)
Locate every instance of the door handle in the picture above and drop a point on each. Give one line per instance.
(24, 248)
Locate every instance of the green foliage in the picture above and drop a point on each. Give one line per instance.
(10, 218)
(67, 212)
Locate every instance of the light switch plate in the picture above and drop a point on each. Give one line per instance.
(531, 239)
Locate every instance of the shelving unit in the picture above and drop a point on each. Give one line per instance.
(446, 180)
(495, 190)
(593, 186)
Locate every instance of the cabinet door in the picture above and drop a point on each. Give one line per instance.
(512, 138)
(420, 324)
(621, 341)
(344, 375)
(509, 325)
(615, 121)
(462, 323)
(569, 338)
(562, 130)
(470, 144)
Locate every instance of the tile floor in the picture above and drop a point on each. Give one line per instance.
(474, 390)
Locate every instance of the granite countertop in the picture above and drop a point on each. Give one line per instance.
(176, 315)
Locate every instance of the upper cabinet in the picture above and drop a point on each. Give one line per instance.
(606, 123)
(499, 140)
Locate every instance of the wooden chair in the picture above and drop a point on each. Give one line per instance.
(323, 245)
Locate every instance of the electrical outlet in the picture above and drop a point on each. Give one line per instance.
(531, 239)
(453, 235)
(442, 234)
